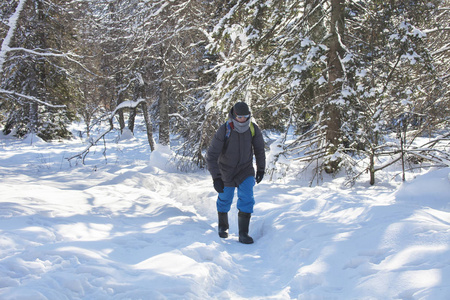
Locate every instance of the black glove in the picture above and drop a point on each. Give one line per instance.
(218, 185)
(259, 176)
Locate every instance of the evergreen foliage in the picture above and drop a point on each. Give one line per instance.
(36, 68)
(355, 82)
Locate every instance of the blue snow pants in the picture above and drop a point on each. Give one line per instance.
(245, 201)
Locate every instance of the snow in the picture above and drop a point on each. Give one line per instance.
(130, 104)
(361, 73)
(405, 102)
(237, 32)
(137, 228)
(321, 80)
(306, 42)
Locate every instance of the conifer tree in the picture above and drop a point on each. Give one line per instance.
(35, 78)
(338, 72)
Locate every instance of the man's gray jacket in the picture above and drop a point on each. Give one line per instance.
(232, 158)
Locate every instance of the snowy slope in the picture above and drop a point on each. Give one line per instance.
(136, 228)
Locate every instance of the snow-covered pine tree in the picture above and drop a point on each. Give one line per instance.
(389, 74)
(275, 58)
(339, 72)
(37, 88)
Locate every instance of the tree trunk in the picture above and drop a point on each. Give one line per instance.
(40, 77)
(372, 167)
(333, 133)
(164, 130)
(149, 126)
(120, 100)
(139, 93)
(132, 119)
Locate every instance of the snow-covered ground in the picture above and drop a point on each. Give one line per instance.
(137, 228)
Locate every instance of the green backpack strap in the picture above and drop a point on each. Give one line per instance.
(252, 129)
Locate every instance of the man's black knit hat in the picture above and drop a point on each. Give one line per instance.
(241, 109)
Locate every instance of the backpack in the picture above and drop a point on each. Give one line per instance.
(230, 127)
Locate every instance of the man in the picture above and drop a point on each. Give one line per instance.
(230, 162)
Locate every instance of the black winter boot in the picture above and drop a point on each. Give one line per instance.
(244, 222)
(223, 225)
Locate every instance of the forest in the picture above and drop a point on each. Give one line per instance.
(349, 86)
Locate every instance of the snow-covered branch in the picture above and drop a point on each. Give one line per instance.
(92, 142)
(427, 31)
(50, 53)
(441, 50)
(127, 104)
(30, 98)
(12, 24)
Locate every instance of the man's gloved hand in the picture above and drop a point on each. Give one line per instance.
(259, 176)
(218, 185)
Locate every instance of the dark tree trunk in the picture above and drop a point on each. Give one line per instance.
(149, 126)
(164, 128)
(333, 133)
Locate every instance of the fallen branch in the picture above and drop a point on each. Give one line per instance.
(126, 104)
(82, 155)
